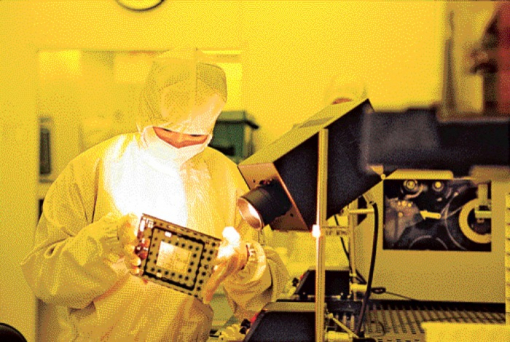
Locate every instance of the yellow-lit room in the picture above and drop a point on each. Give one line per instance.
(217, 170)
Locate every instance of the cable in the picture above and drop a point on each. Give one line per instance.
(382, 290)
(345, 249)
(364, 304)
(401, 296)
(383, 329)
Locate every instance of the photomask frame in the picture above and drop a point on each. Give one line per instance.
(177, 257)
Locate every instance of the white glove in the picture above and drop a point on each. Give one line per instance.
(127, 228)
(232, 257)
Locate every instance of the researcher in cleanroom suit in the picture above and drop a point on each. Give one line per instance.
(83, 259)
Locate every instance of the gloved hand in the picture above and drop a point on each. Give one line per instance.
(232, 257)
(127, 228)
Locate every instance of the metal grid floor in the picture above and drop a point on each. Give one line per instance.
(400, 321)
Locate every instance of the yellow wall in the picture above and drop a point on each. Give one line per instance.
(291, 51)
(18, 169)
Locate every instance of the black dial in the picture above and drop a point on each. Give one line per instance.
(140, 5)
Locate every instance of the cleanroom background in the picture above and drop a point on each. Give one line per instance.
(291, 49)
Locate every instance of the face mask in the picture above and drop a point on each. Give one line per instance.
(167, 154)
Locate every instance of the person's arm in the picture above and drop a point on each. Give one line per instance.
(73, 259)
(261, 280)
(264, 275)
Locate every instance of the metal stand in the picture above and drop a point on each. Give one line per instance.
(319, 232)
(354, 274)
(355, 287)
(320, 270)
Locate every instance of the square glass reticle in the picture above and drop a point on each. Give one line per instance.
(177, 257)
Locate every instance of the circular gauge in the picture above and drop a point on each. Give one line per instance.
(411, 185)
(441, 190)
(466, 232)
(411, 188)
(478, 231)
(140, 5)
(437, 186)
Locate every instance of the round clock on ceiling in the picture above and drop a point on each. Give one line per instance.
(140, 5)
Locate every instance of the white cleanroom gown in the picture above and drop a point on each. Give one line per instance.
(75, 264)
